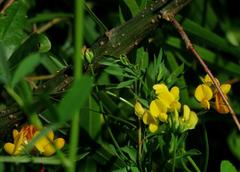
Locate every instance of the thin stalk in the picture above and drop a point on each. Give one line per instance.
(174, 154)
(121, 156)
(189, 46)
(206, 148)
(140, 144)
(75, 130)
(120, 98)
(32, 117)
(193, 164)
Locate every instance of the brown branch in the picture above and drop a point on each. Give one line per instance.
(48, 25)
(6, 5)
(190, 47)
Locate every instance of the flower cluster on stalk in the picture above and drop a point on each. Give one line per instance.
(208, 95)
(164, 105)
(45, 145)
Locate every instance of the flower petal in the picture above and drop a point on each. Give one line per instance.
(226, 88)
(49, 150)
(157, 107)
(186, 113)
(146, 117)
(220, 105)
(41, 143)
(203, 92)
(175, 92)
(153, 127)
(193, 120)
(139, 110)
(59, 143)
(160, 88)
(50, 135)
(163, 117)
(15, 133)
(9, 148)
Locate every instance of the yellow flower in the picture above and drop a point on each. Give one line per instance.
(189, 119)
(139, 110)
(149, 120)
(158, 110)
(45, 145)
(203, 94)
(169, 99)
(220, 105)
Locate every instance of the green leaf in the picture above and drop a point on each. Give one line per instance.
(173, 77)
(52, 64)
(91, 121)
(125, 83)
(75, 98)
(46, 16)
(209, 57)
(4, 70)
(234, 144)
(210, 38)
(25, 67)
(142, 58)
(12, 27)
(132, 153)
(227, 166)
(133, 6)
(35, 43)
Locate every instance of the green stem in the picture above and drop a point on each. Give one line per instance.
(206, 148)
(15, 96)
(140, 144)
(193, 164)
(120, 98)
(75, 130)
(174, 153)
(33, 118)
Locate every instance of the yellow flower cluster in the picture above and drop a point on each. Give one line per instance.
(166, 102)
(205, 92)
(45, 145)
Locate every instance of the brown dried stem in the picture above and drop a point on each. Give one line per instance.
(6, 5)
(190, 47)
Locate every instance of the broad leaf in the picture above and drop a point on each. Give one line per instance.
(75, 98)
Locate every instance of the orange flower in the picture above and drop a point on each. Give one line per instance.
(45, 145)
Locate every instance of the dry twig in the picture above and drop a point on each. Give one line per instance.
(190, 47)
(6, 5)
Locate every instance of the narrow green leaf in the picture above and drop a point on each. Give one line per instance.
(227, 166)
(121, 17)
(125, 84)
(25, 67)
(75, 98)
(4, 70)
(209, 57)
(210, 38)
(142, 58)
(91, 121)
(173, 77)
(133, 6)
(46, 16)
(52, 64)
